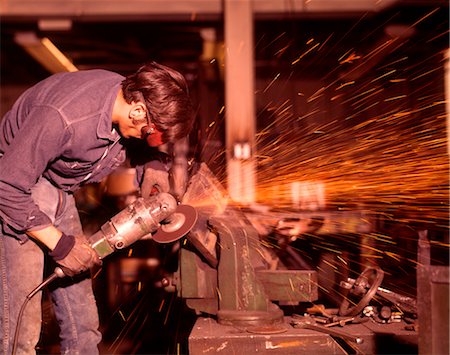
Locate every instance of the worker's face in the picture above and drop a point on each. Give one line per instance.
(131, 120)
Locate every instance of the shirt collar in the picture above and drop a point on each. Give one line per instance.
(105, 129)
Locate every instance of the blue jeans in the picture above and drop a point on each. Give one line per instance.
(22, 269)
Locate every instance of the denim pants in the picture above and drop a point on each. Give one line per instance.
(22, 269)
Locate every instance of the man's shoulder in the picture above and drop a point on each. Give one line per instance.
(100, 74)
(77, 93)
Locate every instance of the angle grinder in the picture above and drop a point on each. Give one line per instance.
(158, 217)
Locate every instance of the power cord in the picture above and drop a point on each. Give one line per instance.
(56, 274)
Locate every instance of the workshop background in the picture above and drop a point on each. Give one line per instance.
(303, 106)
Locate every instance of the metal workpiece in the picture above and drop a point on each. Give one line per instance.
(139, 219)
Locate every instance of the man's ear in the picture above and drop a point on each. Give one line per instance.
(137, 111)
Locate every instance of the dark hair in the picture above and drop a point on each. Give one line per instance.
(166, 96)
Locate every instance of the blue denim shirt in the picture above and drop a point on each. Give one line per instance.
(61, 129)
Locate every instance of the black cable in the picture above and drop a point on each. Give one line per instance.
(57, 273)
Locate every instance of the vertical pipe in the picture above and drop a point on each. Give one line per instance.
(447, 94)
(179, 176)
(240, 100)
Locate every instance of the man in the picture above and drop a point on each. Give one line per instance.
(69, 130)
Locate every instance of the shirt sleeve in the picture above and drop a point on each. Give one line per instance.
(39, 140)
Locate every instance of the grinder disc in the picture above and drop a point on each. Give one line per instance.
(177, 225)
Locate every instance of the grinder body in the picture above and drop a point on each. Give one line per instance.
(140, 219)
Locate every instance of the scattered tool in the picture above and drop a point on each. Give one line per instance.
(340, 322)
(364, 287)
(308, 322)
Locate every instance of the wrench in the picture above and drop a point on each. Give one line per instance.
(340, 322)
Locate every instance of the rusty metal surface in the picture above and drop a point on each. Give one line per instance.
(392, 338)
(210, 337)
(433, 301)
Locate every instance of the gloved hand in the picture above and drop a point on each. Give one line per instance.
(154, 178)
(74, 254)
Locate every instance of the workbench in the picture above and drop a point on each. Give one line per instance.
(210, 337)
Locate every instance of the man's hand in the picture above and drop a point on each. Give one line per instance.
(74, 255)
(154, 181)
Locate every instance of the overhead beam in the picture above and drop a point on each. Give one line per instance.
(45, 52)
(240, 117)
(189, 9)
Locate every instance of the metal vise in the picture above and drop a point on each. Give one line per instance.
(226, 271)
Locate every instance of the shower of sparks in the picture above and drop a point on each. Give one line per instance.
(325, 42)
(375, 138)
(350, 59)
(426, 16)
(305, 53)
(345, 84)
(270, 84)
(168, 312)
(386, 156)
(161, 305)
(122, 316)
(139, 311)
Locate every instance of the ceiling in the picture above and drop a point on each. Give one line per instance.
(123, 43)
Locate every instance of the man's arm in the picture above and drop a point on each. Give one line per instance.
(49, 236)
(34, 141)
(72, 253)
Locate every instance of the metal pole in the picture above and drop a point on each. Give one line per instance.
(240, 100)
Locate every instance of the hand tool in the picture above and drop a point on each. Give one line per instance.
(340, 322)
